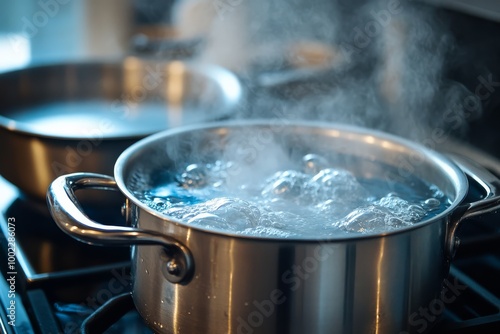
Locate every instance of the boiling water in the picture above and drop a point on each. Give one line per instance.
(314, 201)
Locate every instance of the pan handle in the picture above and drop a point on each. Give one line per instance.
(68, 215)
(488, 204)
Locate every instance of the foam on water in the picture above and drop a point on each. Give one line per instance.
(312, 201)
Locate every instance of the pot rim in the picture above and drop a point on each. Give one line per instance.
(456, 175)
(228, 80)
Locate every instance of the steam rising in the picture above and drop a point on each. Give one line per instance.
(376, 64)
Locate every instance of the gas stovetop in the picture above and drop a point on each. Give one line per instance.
(54, 283)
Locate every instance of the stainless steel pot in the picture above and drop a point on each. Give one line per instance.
(190, 280)
(65, 118)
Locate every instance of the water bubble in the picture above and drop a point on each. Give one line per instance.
(286, 184)
(431, 204)
(364, 220)
(155, 203)
(209, 220)
(371, 219)
(221, 213)
(194, 176)
(416, 213)
(265, 231)
(335, 208)
(402, 209)
(394, 222)
(170, 195)
(285, 187)
(273, 220)
(313, 163)
(388, 213)
(240, 213)
(335, 183)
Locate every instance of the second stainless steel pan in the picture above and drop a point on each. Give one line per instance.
(66, 118)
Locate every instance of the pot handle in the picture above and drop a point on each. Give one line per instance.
(68, 215)
(489, 203)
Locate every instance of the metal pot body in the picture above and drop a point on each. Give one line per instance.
(370, 284)
(191, 280)
(33, 162)
(374, 285)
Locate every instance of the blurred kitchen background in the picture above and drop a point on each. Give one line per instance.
(52, 31)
